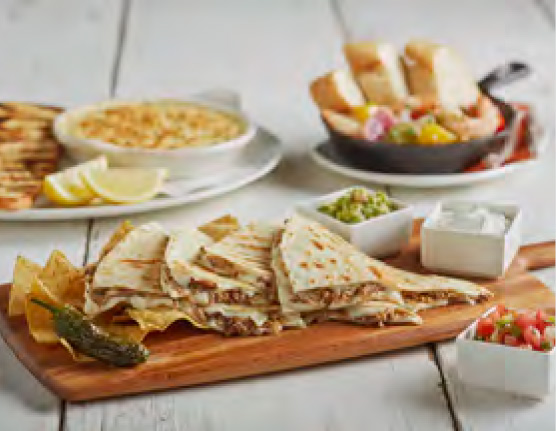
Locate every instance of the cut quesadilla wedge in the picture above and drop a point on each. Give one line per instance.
(243, 255)
(371, 313)
(97, 302)
(242, 320)
(429, 291)
(134, 263)
(316, 269)
(183, 277)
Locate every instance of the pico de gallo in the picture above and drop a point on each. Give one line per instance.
(525, 329)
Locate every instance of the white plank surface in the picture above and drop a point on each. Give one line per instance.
(269, 51)
(57, 52)
(488, 33)
(346, 396)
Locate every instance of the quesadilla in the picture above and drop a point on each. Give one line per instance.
(316, 269)
(182, 276)
(371, 313)
(99, 301)
(234, 319)
(243, 255)
(429, 291)
(134, 263)
(129, 271)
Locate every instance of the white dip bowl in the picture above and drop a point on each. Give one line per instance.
(187, 162)
(460, 252)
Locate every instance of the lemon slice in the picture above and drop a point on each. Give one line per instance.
(125, 185)
(67, 187)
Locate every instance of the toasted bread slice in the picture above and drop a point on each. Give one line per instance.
(28, 152)
(342, 123)
(25, 123)
(378, 71)
(11, 200)
(28, 110)
(35, 135)
(337, 91)
(437, 73)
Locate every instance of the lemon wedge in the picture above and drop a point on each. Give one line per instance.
(67, 187)
(125, 185)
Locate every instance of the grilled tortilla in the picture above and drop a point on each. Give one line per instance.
(183, 277)
(242, 320)
(316, 269)
(429, 291)
(371, 313)
(133, 263)
(243, 255)
(128, 270)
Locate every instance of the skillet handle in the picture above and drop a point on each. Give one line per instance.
(503, 75)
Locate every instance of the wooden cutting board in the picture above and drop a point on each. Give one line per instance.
(184, 356)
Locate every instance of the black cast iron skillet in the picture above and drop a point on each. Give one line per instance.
(390, 157)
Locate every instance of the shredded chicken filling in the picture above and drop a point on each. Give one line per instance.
(328, 296)
(451, 297)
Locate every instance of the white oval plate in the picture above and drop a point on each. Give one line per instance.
(325, 156)
(259, 158)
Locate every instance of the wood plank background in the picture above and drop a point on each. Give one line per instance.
(68, 52)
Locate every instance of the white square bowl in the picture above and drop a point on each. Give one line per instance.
(468, 253)
(378, 236)
(504, 368)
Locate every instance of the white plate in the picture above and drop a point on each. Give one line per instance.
(259, 158)
(325, 156)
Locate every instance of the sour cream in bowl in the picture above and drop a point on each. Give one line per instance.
(471, 238)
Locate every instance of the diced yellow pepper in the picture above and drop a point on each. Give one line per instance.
(363, 112)
(433, 133)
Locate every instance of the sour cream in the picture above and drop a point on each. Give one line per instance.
(473, 219)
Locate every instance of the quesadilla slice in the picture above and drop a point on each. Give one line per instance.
(97, 302)
(243, 255)
(241, 320)
(371, 313)
(183, 277)
(128, 270)
(134, 263)
(429, 291)
(316, 269)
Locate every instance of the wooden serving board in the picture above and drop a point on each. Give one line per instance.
(184, 356)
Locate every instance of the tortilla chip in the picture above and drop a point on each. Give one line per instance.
(39, 320)
(64, 281)
(220, 227)
(118, 235)
(25, 272)
(160, 318)
(131, 332)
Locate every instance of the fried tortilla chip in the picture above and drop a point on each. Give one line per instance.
(128, 331)
(64, 281)
(39, 320)
(160, 318)
(220, 227)
(25, 272)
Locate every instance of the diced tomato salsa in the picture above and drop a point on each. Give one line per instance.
(526, 329)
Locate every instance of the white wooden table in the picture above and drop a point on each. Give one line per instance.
(70, 52)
